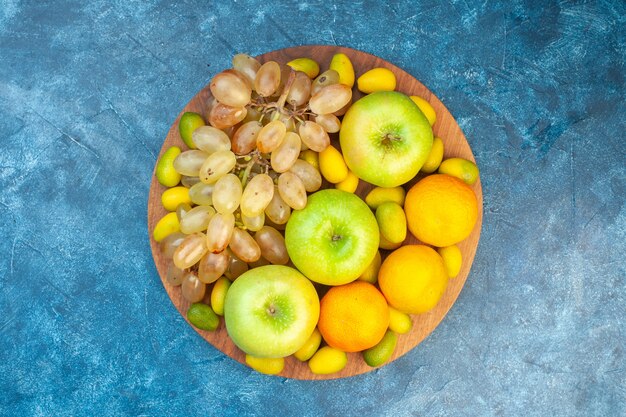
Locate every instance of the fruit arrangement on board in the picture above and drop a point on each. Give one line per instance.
(265, 234)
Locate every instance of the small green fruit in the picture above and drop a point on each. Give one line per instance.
(165, 172)
(189, 122)
(391, 221)
(203, 317)
(380, 354)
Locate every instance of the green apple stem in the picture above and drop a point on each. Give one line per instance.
(271, 309)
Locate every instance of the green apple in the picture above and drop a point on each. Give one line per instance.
(271, 311)
(334, 238)
(385, 138)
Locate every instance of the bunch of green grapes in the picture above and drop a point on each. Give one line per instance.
(246, 175)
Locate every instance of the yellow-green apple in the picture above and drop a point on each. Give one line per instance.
(385, 138)
(334, 238)
(270, 311)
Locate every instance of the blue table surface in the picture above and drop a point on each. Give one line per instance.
(88, 91)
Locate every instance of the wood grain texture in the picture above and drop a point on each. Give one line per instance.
(455, 144)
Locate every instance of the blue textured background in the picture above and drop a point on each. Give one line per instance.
(87, 94)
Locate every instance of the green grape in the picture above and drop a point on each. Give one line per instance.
(174, 275)
(300, 90)
(188, 181)
(212, 266)
(244, 138)
(272, 245)
(216, 166)
(201, 193)
(220, 231)
(326, 78)
(257, 195)
(277, 211)
(210, 139)
(330, 99)
(314, 136)
(311, 177)
(270, 136)
(223, 116)
(236, 266)
(292, 191)
(227, 194)
(189, 162)
(246, 65)
(192, 288)
(267, 79)
(285, 72)
(169, 244)
(181, 210)
(197, 219)
(244, 246)
(190, 251)
(253, 223)
(286, 154)
(232, 88)
(329, 122)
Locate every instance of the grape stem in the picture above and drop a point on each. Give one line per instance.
(246, 172)
(280, 104)
(253, 158)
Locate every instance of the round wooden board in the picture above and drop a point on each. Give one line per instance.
(455, 144)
